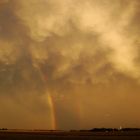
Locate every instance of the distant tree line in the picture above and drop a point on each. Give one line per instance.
(113, 129)
(3, 129)
(107, 130)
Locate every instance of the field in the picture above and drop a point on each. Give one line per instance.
(62, 135)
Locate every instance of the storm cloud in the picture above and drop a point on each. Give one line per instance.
(84, 55)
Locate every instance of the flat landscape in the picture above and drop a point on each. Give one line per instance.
(65, 135)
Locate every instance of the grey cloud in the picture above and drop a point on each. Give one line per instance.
(80, 52)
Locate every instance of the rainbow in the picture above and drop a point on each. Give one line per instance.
(52, 111)
(49, 101)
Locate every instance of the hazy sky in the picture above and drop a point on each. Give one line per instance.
(69, 64)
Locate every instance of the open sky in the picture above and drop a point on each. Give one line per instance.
(69, 64)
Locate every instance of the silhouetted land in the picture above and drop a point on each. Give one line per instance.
(93, 134)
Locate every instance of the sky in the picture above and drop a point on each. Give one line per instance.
(69, 64)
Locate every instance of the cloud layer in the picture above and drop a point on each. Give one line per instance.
(77, 51)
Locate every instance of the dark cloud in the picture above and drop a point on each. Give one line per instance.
(60, 59)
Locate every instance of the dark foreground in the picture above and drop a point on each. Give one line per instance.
(47, 135)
